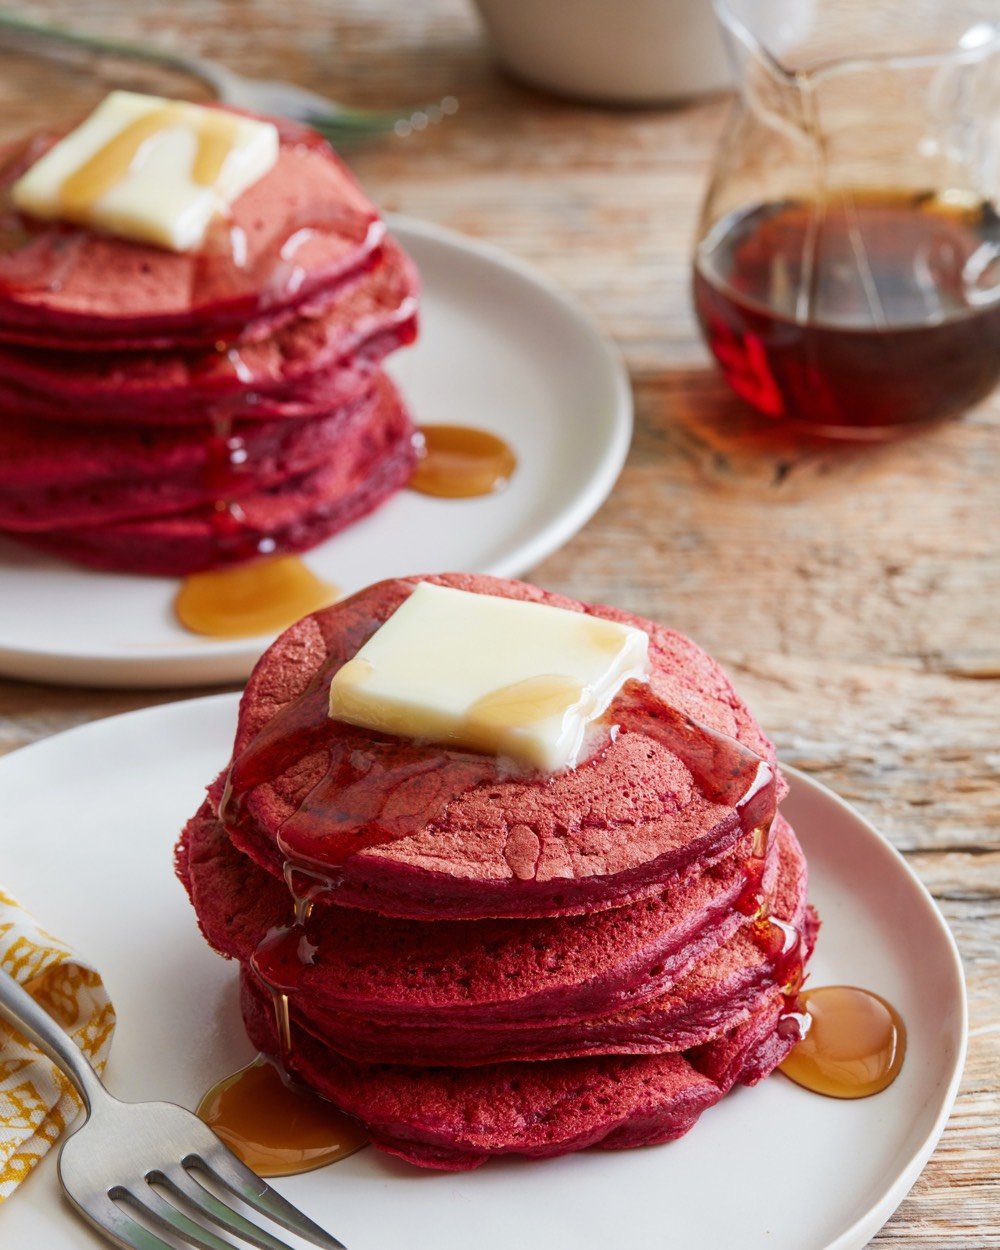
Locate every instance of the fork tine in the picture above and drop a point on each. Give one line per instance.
(183, 1183)
(224, 1167)
(155, 1208)
(113, 1222)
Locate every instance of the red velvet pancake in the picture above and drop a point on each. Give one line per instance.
(308, 367)
(418, 830)
(297, 231)
(467, 992)
(457, 1118)
(722, 990)
(453, 973)
(372, 462)
(53, 477)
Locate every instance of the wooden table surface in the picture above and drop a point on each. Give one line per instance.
(852, 593)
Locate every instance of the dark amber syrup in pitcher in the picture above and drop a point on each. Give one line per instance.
(858, 316)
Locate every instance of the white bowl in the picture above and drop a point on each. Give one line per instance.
(610, 51)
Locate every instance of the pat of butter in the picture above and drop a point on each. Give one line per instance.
(148, 169)
(502, 676)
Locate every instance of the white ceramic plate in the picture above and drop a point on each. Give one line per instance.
(90, 818)
(499, 348)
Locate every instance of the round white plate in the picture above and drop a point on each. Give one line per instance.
(499, 348)
(90, 818)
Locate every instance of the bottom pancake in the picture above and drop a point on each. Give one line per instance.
(455, 1119)
(369, 466)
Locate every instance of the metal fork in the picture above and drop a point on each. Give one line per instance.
(131, 1168)
(339, 123)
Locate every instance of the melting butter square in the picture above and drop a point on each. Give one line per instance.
(149, 169)
(510, 678)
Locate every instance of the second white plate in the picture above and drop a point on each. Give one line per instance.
(90, 818)
(499, 348)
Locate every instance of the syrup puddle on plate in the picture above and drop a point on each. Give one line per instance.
(260, 597)
(263, 596)
(459, 462)
(853, 1042)
(276, 1128)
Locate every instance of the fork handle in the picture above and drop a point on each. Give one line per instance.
(14, 27)
(33, 1022)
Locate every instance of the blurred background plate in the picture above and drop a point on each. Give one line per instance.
(499, 348)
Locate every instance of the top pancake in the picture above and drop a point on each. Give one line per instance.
(289, 238)
(310, 365)
(454, 835)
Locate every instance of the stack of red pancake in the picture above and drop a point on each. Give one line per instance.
(478, 962)
(166, 412)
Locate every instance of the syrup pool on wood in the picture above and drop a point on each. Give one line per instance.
(259, 597)
(458, 462)
(853, 1042)
(276, 1128)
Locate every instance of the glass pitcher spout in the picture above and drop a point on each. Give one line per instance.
(807, 39)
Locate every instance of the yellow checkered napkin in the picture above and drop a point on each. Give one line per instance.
(36, 1100)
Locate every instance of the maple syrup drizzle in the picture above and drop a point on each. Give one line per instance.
(277, 1128)
(523, 703)
(215, 133)
(752, 901)
(283, 1025)
(782, 943)
(724, 770)
(226, 457)
(227, 463)
(852, 1042)
(304, 887)
(459, 462)
(259, 597)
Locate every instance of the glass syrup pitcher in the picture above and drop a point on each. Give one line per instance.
(847, 272)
